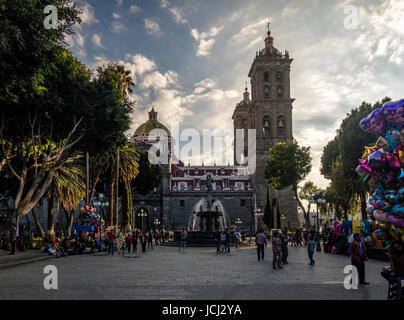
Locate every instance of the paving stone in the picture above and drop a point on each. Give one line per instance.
(197, 273)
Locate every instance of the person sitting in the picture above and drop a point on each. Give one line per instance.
(396, 259)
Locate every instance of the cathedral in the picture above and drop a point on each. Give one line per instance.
(239, 195)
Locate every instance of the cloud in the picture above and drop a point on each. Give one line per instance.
(134, 9)
(99, 61)
(116, 15)
(214, 31)
(382, 31)
(118, 26)
(164, 3)
(97, 40)
(178, 15)
(119, 2)
(205, 45)
(87, 14)
(151, 26)
(77, 42)
(140, 63)
(250, 30)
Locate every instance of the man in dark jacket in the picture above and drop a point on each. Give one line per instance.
(357, 252)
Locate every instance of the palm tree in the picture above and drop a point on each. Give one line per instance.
(68, 188)
(128, 170)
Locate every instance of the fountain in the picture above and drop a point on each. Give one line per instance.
(206, 219)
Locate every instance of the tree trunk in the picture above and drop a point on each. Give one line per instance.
(307, 216)
(300, 204)
(51, 218)
(362, 196)
(69, 221)
(346, 213)
(3, 163)
(111, 201)
(37, 223)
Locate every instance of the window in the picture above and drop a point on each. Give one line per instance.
(266, 76)
(266, 91)
(279, 75)
(266, 126)
(242, 203)
(182, 203)
(279, 91)
(281, 126)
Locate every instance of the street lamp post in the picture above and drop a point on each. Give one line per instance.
(102, 203)
(317, 199)
(157, 223)
(142, 214)
(257, 214)
(238, 222)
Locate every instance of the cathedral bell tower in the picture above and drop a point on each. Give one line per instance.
(270, 113)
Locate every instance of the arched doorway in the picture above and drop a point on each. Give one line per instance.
(142, 219)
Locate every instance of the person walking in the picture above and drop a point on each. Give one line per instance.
(284, 245)
(237, 237)
(143, 240)
(310, 249)
(129, 241)
(135, 239)
(111, 242)
(357, 252)
(223, 241)
(228, 240)
(218, 241)
(13, 238)
(261, 241)
(149, 239)
(305, 236)
(277, 251)
(184, 237)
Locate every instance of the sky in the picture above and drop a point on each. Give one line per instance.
(190, 58)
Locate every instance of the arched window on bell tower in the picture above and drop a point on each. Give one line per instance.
(281, 127)
(266, 92)
(266, 126)
(266, 76)
(279, 75)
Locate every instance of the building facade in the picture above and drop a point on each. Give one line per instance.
(269, 113)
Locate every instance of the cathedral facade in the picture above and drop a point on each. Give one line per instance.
(241, 195)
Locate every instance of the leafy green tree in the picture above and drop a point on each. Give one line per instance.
(340, 158)
(44, 131)
(288, 165)
(68, 189)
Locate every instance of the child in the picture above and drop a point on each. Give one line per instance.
(310, 249)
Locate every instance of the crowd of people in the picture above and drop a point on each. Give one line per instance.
(111, 241)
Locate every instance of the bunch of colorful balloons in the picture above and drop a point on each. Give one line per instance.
(382, 166)
(89, 217)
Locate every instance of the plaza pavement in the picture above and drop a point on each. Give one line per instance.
(197, 273)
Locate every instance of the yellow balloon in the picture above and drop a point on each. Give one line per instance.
(401, 156)
(368, 151)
